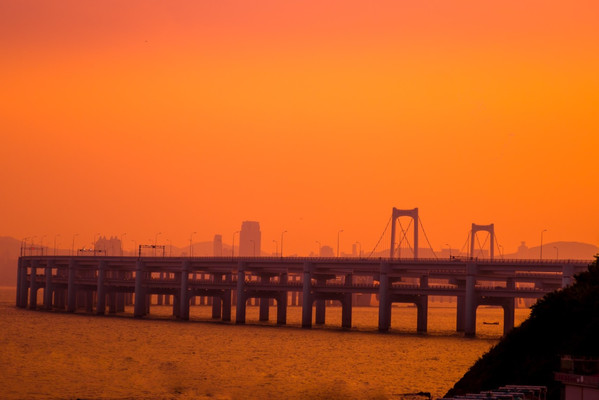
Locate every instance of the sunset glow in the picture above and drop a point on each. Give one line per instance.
(310, 117)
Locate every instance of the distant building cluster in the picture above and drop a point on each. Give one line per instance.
(109, 246)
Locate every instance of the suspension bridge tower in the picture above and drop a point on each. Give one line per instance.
(484, 228)
(404, 213)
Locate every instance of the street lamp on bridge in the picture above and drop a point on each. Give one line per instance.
(156, 242)
(282, 233)
(190, 244)
(541, 250)
(55, 236)
(73, 244)
(338, 236)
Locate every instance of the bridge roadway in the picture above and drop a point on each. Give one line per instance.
(97, 283)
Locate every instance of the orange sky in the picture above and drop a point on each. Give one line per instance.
(310, 117)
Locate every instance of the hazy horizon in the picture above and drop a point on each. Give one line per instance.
(311, 118)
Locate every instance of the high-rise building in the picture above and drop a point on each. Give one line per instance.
(217, 246)
(109, 246)
(250, 239)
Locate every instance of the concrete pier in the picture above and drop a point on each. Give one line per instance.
(307, 296)
(140, 294)
(101, 299)
(48, 289)
(184, 292)
(241, 297)
(384, 300)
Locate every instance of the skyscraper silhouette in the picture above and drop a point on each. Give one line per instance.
(250, 239)
(217, 246)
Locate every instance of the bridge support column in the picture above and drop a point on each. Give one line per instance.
(470, 306)
(19, 282)
(101, 300)
(509, 309)
(139, 309)
(184, 294)
(282, 300)
(307, 297)
(160, 297)
(176, 303)
(384, 299)
(264, 301)
(320, 306)
(24, 286)
(71, 296)
(422, 319)
(48, 289)
(33, 285)
(460, 319)
(508, 316)
(346, 310)
(227, 301)
(216, 301)
(422, 306)
(567, 275)
(241, 299)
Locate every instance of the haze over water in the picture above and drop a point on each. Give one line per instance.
(59, 355)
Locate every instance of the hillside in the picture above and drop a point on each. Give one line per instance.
(563, 322)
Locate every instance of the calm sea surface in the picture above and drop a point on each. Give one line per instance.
(51, 355)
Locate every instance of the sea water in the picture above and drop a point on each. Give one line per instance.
(57, 355)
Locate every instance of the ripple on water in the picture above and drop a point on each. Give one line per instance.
(59, 355)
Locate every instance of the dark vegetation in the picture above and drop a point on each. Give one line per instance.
(563, 322)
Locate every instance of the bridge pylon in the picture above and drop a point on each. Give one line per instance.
(396, 213)
(485, 228)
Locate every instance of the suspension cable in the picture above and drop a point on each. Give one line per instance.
(381, 238)
(426, 237)
(483, 245)
(405, 233)
(499, 247)
(465, 244)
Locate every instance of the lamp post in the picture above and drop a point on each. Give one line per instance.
(55, 236)
(73, 244)
(282, 233)
(541, 250)
(42, 244)
(276, 247)
(338, 236)
(449, 247)
(23, 245)
(94, 243)
(359, 251)
(170, 247)
(190, 245)
(122, 236)
(32, 248)
(233, 244)
(556, 252)
(156, 242)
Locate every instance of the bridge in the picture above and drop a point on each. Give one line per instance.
(102, 283)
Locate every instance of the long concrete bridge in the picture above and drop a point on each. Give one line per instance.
(96, 284)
